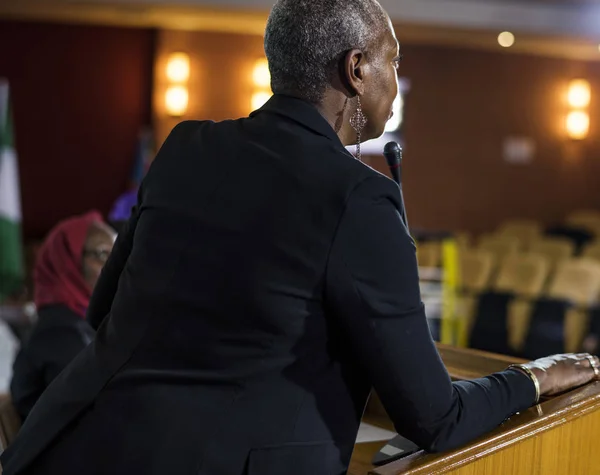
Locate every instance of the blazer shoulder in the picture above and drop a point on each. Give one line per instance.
(199, 131)
(358, 174)
(376, 187)
(187, 129)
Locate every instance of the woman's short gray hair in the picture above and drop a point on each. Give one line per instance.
(305, 39)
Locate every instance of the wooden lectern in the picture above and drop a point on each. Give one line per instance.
(560, 436)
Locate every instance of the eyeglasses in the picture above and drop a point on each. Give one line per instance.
(100, 254)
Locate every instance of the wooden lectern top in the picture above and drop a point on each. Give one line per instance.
(558, 436)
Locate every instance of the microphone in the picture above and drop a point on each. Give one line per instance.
(393, 155)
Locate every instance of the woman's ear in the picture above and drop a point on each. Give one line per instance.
(353, 72)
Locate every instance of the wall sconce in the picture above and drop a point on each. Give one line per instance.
(261, 75)
(579, 94)
(577, 122)
(506, 39)
(578, 125)
(261, 78)
(178, 68)
(259, 99)
(178, 74)
(176, 100)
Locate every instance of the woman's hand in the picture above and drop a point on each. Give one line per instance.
(559, 373)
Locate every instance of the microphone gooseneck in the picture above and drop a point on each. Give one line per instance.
(393, 155)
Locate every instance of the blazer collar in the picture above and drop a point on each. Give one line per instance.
(302, 112)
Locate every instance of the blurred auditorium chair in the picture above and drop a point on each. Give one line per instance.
(429, 254)
(549, 331)
(475, 272)
(583, 215)
(489, 331)
(463, 240)
(526, 231)
(523, 276)
(591, 343)
(580, 237)
(560, 321)
(476, 268)
(501, 318)
(555, 249)
(577, 280)
(592, 251)
(500, 246)
(520, 312)
(586, 219)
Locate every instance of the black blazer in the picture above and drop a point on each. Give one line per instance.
(55, 340)
(265, 283)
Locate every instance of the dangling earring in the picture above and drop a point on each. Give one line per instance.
(358, 122)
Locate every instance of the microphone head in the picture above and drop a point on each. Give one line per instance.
(391, 147)
(393, 153)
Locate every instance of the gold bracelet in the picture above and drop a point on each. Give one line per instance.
(532, 376)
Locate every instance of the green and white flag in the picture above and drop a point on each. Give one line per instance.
(11, 250)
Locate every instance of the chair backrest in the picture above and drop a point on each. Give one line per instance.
(520, 312)
(526, 231)
(475, 269)
(587, 219)
(555, 249)
(567, 331)
(592, 251)
(429, 254)
(490, 328)
(594, 330)
(500, 246)
(546, 334)
(584, 215)
(523, 274)
(580, 237)
(463, 239)
(576, 280)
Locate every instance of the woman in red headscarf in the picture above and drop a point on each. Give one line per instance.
(67, 268)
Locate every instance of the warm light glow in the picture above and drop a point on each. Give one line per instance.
(578, 125)
(579, 93)
(506, 39)
(261, 75)
(259, 99)
(396, 121)
(176, 100)
(178, 67)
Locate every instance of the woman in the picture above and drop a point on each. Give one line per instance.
(265, 283)
(66, 271)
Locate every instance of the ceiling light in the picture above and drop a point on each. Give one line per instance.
(506, 39)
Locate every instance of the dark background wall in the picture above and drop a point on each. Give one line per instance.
(80, 95)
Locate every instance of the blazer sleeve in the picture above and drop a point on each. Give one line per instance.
(106, 287)
(372, 290)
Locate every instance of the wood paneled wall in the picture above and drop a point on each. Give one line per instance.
(461, 106)
(80, 96)
(220, 84)
(81, 93)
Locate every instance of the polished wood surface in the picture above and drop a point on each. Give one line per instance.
(556, 437)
